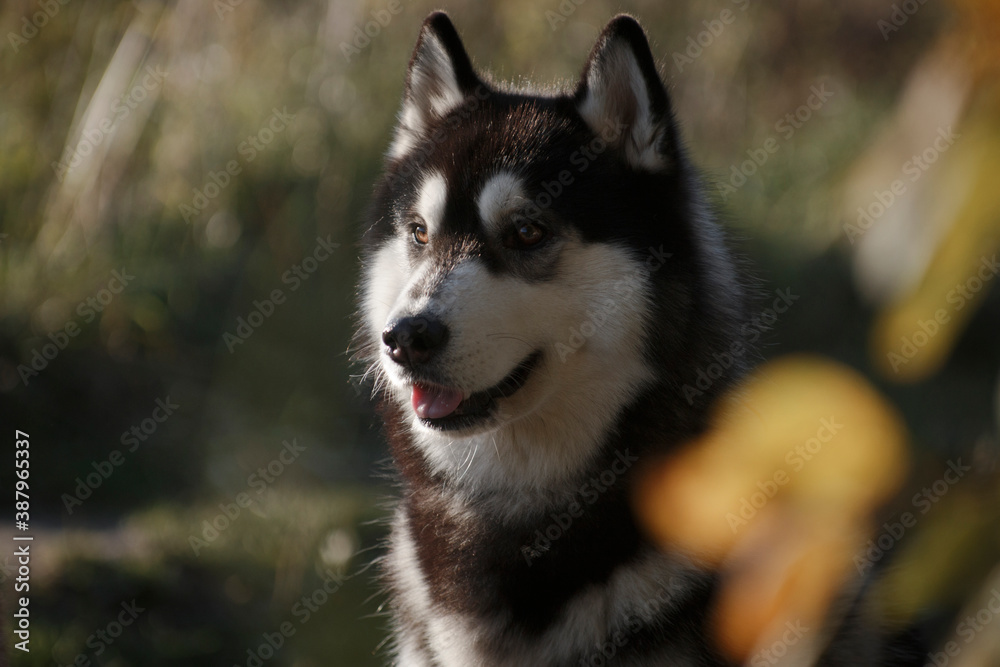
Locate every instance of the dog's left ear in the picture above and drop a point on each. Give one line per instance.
(440, 77)
(622, 98)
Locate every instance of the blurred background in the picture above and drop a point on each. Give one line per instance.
(182, 187)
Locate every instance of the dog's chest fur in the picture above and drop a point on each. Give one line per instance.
(477, 590)
(566, 578)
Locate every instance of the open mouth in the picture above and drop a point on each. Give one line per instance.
(447, 409)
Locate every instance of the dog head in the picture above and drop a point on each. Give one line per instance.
(530, 255)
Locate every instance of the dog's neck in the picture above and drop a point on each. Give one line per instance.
(534, 463)
(539, 465)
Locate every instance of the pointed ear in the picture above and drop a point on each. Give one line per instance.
(440, 77)
(621, 95)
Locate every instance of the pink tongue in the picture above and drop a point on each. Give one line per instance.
(434, 402)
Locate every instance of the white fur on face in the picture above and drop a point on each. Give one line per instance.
(501, 193)
(616, 95)
(431, 199)
(386, 281)
(433, 92)
(588, 323)
(388, 278)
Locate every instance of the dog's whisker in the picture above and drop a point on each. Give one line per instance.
(508, 336)
(470, 458)
(495, 447)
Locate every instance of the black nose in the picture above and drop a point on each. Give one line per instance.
(414, 340)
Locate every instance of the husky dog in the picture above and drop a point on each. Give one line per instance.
(542, 283)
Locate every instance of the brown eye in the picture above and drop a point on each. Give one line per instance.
(528, 235)
(420, 234)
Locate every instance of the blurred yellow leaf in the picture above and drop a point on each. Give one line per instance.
(779, 493)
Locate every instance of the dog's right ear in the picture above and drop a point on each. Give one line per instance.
(621, 94)
(440, 77)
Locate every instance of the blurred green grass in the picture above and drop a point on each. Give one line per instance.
(213, 603)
